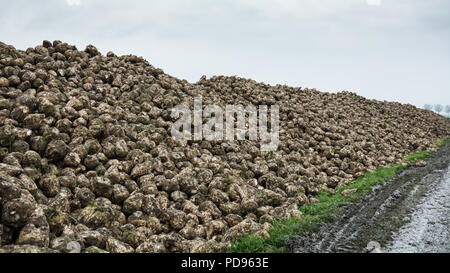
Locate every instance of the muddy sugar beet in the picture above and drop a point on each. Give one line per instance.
(213, 129)
(87, 158)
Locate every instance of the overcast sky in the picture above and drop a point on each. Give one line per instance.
(395, 50)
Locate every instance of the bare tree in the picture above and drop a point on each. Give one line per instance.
(428, 107)
(438, 108)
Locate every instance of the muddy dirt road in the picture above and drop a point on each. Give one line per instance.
(409, 213)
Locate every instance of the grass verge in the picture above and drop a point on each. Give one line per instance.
(417, 156)
(442, 142)
(317, 213)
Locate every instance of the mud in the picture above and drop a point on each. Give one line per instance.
(409, 213)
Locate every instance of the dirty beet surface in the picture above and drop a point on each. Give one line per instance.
(409, 213)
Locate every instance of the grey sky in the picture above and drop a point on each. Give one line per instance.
(396, 50)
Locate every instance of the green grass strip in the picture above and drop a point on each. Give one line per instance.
(318, 213)
(417, 156)
(442, 142)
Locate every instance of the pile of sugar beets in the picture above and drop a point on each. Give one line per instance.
(88, 162)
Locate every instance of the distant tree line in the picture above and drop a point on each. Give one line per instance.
(439, 108)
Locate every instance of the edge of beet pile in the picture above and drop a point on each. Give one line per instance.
(327, 206)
